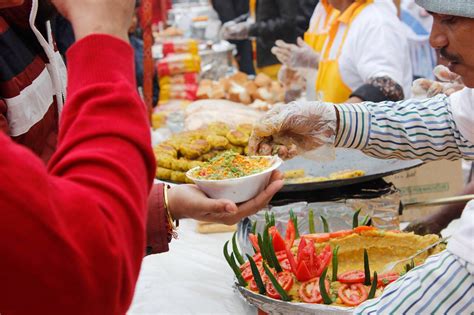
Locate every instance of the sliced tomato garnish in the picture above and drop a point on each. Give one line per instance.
(253, 285)
(355, 276)
(352, 294)
(247, 272)
(303, 273)
(340, 233)
(285, 279)
(363, 228)
(290, 234)
(254, 240)
(318, 237)
(291, 260)
(386, 278)
(301, 246)
(325, 258)
(285, 265)
(278, 242)
(256, 258)
(309, 291)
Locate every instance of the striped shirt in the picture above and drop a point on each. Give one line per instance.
(411, 129)
(438, 128)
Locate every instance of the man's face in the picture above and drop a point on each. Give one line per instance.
(452, 37)
(10, 3)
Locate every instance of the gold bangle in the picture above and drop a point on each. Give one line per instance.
(172, 228)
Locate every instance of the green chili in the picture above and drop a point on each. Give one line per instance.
(267, 218)
(272, 219)
(373, 288)
(233, 265)
(355, 219)
(311, 221)
(322, 288)
(237, 254)
(254, 227)
(366, 221)
(366, 268)
(256, 275)
(284, 296)
(325, 224)
(263, 250)
(273, 257)
(335, 263)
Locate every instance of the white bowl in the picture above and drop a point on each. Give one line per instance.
(237, 189)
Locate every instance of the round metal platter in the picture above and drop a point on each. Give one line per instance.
(277, 307)
(346, 159)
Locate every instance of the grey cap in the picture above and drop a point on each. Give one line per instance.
(449, 7)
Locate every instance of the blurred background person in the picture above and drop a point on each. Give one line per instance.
(229, 10)
(364, 57)
(267, 21)
(303, 15)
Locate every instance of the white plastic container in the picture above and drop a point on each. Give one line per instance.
(237, 189)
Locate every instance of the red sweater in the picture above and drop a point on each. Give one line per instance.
(72, 235)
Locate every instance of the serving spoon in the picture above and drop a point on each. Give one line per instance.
(392, 265)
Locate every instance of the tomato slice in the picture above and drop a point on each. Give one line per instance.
(340, 233)
(278, 243)
(303, 273)
(290, 234)
(285, 279)
(285, 264)
(247, 272)
(363, 228)
(253, 286)
(301, 246)
(318, 237)
(254, 240)
(309, 291)
(352, 294)
(291, 260)
(355, 276)
(386, 278)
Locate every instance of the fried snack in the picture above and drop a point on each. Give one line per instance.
(206, 157)
(166, 149)
(266, 95)
(238, 138)
(217, 142)
(263, 80)
(217, 92)
(193, 164)
(251, 88)
(239, 94)
(178, 177)
(163, 173)
(291, 174)
(246, 150)
(195, 149)
(245, 128)
(164, 160)
(181, 165)
(305, 180)
(346, 174)
(218, 128)
(239, 78)
(225, 83)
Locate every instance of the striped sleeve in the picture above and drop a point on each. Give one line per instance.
(411, 129)
(443, 285)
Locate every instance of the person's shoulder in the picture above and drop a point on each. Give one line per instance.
(378, 14)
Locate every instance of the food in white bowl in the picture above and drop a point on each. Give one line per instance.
(233, 176)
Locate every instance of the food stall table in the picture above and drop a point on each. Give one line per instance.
(192, 278)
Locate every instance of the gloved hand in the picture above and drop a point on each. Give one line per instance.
(448, 83)
(235, 31)
(293, 81)
(296, 56)
(294, 129)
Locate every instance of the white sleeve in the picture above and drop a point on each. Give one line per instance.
(382, 50)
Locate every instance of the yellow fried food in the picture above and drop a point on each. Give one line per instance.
(163, 173)
(206, 157)
(246, 150)
(217, 142)
(166, 149)
(195, 149)
(164, 160)
(218, 128)
(291, 174)
(305, 180)
(238, 138)
(193, 164)
(181, 165)
(178, 177)
(245, 128)
(346, 174)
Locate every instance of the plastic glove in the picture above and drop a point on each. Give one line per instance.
(294, 129)
(235, 31)
(296, 56)
(449, 82)
(293, 81)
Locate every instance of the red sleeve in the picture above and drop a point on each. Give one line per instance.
(157, 222)
(72, 236)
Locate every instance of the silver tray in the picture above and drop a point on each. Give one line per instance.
(278, 307)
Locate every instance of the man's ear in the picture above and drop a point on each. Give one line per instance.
(10, 3)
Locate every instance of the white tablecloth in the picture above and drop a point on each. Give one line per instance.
(192, 278)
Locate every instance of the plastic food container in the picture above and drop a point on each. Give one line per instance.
(236, 189)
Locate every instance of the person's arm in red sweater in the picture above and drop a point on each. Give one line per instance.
(72, 235)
